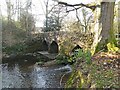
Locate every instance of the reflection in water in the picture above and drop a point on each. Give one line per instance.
(29, 75)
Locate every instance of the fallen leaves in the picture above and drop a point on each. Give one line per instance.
(105, 69)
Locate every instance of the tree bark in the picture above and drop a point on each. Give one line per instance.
(106, 23)
(107, 17)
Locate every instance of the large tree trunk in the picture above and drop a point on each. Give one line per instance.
(107, 16)
(105, 33)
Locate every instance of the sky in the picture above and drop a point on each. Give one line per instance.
(38, 8)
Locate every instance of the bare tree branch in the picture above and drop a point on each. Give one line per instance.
(92, 7)
(52, 8)
(77, 16)
(73, 9)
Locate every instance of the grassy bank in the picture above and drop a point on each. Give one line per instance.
(102, 72)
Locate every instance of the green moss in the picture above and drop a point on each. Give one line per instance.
(101, 46)
(112, 38)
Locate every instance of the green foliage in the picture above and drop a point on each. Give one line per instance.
(12, 33)
(17, 48)
(80, 53)
(76, 80)
(112, 48)
(62, 59)
(86, 55)
(70, 59)
(77, 54)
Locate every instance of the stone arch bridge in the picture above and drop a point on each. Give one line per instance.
(57, 38)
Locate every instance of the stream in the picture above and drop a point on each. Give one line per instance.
(30, 75)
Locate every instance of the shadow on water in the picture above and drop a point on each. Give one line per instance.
(29, 75)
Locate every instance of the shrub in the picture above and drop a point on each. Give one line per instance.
(62, 59)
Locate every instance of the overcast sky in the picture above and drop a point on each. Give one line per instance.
(39, 8)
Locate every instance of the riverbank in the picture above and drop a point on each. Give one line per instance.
(102, 72)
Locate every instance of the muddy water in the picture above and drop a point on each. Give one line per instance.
(27, 75)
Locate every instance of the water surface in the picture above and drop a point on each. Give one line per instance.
(29, 75)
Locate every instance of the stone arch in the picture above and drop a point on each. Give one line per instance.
(53, 48)
(76, 47)
(44, 46)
